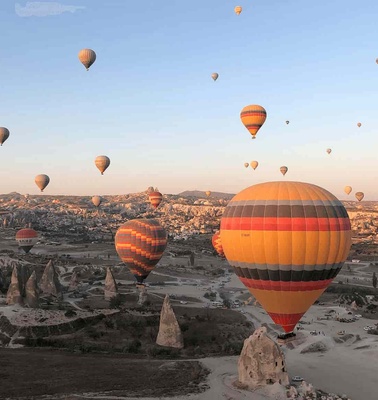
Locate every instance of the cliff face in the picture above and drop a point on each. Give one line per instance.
(261, 361)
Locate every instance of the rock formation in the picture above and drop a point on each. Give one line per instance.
(142, 295)
(49, 283)
(74, 282)
(169, 330)
(354, 306)
(261, 361)
(32, 291)
(110, 289)
(14, 295)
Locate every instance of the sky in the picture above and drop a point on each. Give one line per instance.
(150, 105)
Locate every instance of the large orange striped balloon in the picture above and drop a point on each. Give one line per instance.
(26, 239)
(217, 244)
(140, 244)
(286, 241)
(253, 118)
(155, 198)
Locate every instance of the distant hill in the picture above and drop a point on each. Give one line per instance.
(201, 194)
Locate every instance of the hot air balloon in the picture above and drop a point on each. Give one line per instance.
(329, 151)
(359, 124)
(42, 181)
(140, 244)
(283, 170)
(359, 196)
(155, 198)
(87, 57)
(238, 10)
(348, 189)
(217, 244)
(96, 200)
(287, 122)
(254, 164)
(376, 60)
(286, 241)
(4, 135)
(208, 193)
(26, 239)
(215, 76)
(253, 118)
(246, 164)
(102, 163)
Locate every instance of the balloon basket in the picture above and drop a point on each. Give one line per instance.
(286, 338)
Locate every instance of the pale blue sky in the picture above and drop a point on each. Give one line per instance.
(149, 102)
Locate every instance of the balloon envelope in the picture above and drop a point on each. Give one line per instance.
(26, 239)
(329, 151)
(348, 189)
(155, 198)
(286, 241)
(140, 244)
(96, 200)
(246, 165)
(283, 170)
(208, 193)
(4, 135)
(102, 163)
(253, 118)
(217, 244)
(359, 196)
(238, 10)
(42, 181)
(254, 164)
(87, 57)
(215, 76)
(359, 124)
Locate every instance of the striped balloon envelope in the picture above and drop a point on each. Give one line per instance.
(217, 244)
(140, 244)
(253, 118)
(286, 241)
(26, 239)
(155, 198)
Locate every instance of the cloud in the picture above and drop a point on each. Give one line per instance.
(44, 9)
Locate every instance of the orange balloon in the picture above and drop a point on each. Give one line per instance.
(253, 118)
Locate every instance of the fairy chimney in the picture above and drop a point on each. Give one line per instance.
(32, 291)
(110, 289)
(14, 295)
(49, 283)
(261, 361)
(74, 282)
(170, 334)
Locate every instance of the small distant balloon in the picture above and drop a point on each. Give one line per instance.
(4, 135)
(238, 10)
(246, 165)
(215, 76)
(359, 124)
(254, 164)
(283, 170)
(42, 181)
(348, 189)
(102, 163)
(376, 60)
(155, 198)
(359, 196)
(26, 239)
(329, 151)
(208, 193)
(287, 122)
(96, 200)
(253, 118)
(87, 57)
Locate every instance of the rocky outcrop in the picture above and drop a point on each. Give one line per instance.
(110, 288)
(170, 334)
(14, 294)
(142, 295)
(261, 362)
(32, 291)
(74, 282)
(49, 283)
